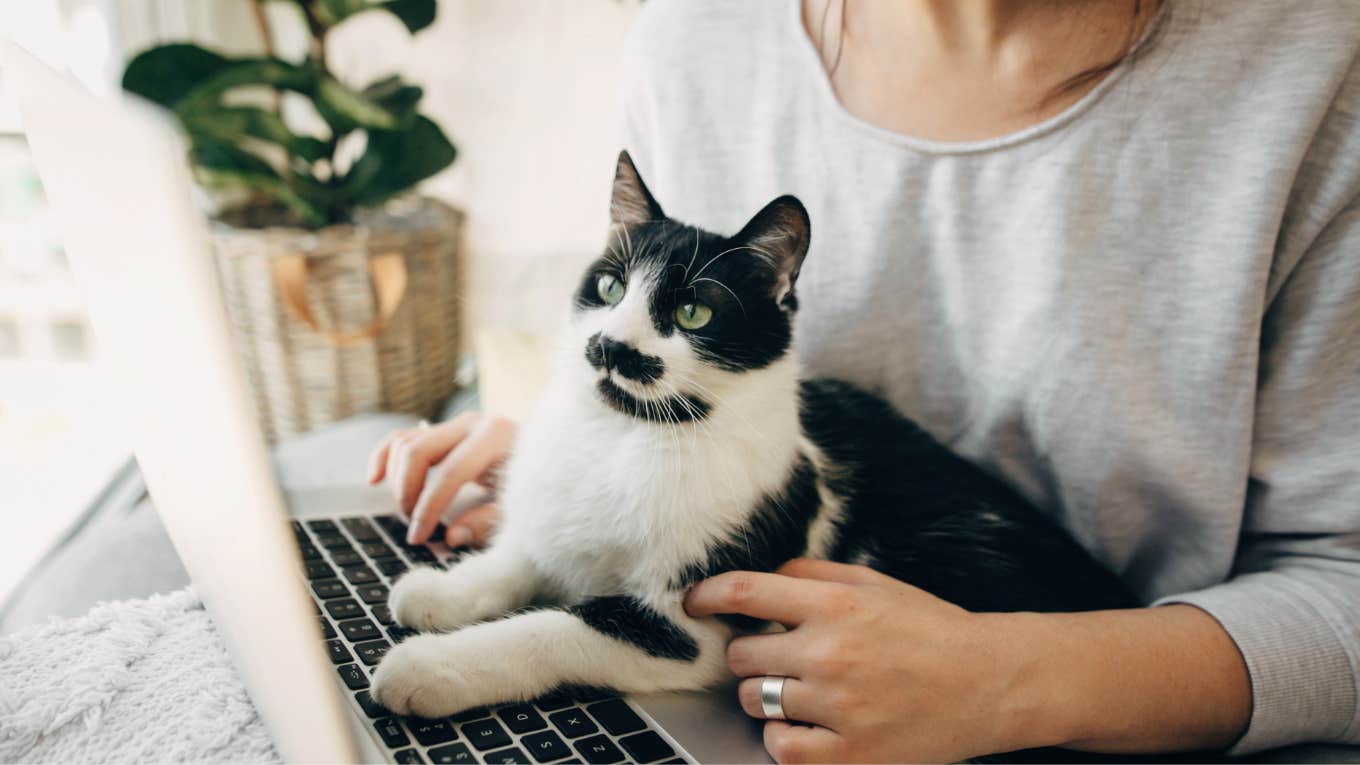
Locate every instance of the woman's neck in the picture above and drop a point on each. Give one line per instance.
(960, 70)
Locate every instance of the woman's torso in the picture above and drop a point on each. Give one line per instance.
(1076, 307)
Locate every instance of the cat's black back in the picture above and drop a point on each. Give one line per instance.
(919, 513)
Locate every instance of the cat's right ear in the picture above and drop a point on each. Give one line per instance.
(631, 203)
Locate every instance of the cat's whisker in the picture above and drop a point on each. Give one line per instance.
(761, 252)
(729, 291)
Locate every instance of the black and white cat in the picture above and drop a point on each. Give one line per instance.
(676, 440)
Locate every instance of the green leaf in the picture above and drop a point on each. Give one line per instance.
(272, 72)
(415, 14)
(396, 160)
(223, 165)
(396, 96)
(167, 73)
(230, 123)
(346, 110)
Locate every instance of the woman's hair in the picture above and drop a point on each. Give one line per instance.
(1130, 49)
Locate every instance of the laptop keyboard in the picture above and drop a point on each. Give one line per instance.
(350, 565)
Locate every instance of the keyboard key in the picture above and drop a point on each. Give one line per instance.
(391, 733)
(420, 555)
(373, 709)
(453, 753)
(344, 608)
(508, 756)
(373, 594)
(361, 529)
(354, 678)
(318, 569)
(468, 715)
(486, 734)
(347, 558)
(377, 550)
(599, 750)
(546, 746)
(646, 746)
(573, 723)
(358, 630)
(384, 615)
(327, 631)
(322, 526)
(431, 732)
(372, 652)
(399, 633)
(615, 715)
(309, 551)
(390, 567)
(521, 718)
(333, 542)
(298, 530)
(569, 695)
(338, 652)
(408, 755)
(331, 588)
(360, 575)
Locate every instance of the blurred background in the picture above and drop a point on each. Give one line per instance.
(526, 90)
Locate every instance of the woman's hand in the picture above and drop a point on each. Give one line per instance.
(427, 466)
(882, 671)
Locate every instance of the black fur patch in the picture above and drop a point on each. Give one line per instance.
(931, 518)
(672, 409)
(775, 533)
(627, 619)
(611, 355)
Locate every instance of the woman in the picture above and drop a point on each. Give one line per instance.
(1109, 250)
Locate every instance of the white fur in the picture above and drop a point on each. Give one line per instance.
(596, 502)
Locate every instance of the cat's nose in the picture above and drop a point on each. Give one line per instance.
(604, 352)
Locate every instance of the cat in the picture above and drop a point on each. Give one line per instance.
(676, 440)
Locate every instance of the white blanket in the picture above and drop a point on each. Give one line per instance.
(133, 681)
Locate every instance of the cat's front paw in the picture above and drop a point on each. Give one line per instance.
(430, 600)
(416, 678)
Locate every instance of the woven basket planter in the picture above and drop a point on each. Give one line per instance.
(347, 319)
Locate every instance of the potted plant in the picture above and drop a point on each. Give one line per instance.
(341, 286)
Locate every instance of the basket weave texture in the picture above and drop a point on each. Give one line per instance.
(325, 350)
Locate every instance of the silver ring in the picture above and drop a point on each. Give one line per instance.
(772, 698)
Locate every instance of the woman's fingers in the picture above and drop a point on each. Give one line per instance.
(791, 742)
(425, 447)
(487, 443)
(778, 598)
(799, 700)
(829, 571)
(473, 528)
(779, 653)
(377, 460)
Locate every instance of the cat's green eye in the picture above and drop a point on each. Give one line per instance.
(693, 315)
(610, 288)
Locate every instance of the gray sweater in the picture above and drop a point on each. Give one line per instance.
(1143, 313)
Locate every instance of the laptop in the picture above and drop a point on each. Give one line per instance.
(296, 582)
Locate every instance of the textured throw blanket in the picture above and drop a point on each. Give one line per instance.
(135, 681)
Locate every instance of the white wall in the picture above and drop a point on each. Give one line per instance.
(527, 89)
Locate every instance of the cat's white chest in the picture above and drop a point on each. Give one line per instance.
(602, 504)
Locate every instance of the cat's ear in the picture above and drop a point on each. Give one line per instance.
(631, 203)
(780, 234)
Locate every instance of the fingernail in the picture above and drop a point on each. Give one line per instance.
(411, 535)
(459, 536)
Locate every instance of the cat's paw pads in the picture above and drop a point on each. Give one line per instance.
(429, 600)
(414, 678)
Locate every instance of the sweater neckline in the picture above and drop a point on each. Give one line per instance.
(826, 94)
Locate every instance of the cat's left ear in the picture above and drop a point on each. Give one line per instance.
(631, 202)
(780, 233)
